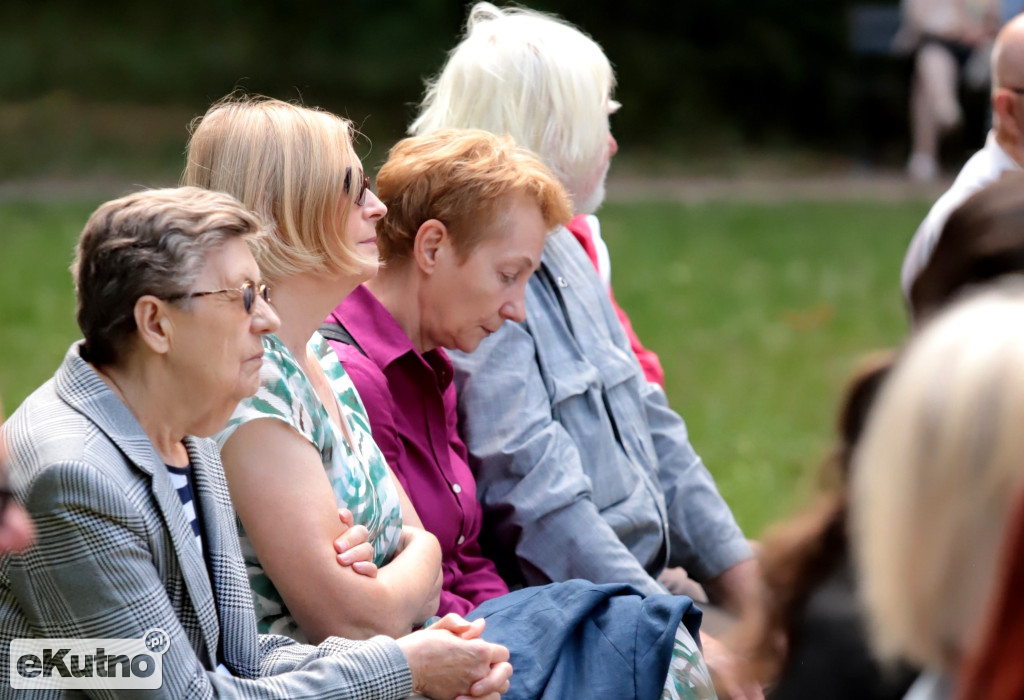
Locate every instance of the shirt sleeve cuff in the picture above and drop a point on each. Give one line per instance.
(722, 558)
(393, 677)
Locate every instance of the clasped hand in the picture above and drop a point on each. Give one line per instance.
(448, 660)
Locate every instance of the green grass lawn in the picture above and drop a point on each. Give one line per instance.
(37, 299)
(759, 313)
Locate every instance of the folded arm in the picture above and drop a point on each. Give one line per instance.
(275, 476)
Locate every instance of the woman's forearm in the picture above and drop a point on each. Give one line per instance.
(416, 570)
(325, 597)
(341, 603)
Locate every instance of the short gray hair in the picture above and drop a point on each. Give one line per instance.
(153, 242)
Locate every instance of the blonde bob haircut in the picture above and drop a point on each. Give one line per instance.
(534, 77)
(288, 164)
(936, 477)
(465, 179)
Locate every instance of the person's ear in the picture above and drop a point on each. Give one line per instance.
(155, 327)
(430, 239)
(1005, 105)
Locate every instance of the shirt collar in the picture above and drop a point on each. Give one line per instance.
(1004, 160)
(380, 336)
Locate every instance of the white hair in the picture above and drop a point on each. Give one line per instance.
(936, 478)
(536, 78)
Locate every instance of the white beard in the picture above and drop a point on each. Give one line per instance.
(592, 202)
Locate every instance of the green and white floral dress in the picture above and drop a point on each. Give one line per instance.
(688, 676)
(360, 479)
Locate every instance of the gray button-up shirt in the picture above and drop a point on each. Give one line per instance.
(582, 468)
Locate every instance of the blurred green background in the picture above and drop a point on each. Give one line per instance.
(759, 305)
(87, 89)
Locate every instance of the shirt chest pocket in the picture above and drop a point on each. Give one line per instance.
(584, 390)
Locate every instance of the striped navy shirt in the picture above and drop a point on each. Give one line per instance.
(181, 479)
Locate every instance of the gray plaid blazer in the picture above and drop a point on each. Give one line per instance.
(114, 556)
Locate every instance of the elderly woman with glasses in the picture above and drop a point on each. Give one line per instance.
(134, 526)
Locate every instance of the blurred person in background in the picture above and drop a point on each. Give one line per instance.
(935, 480)
(982, 240)
(1003, 151)
(134, 528)
(807, 638)
(583, 470)
(950, 37)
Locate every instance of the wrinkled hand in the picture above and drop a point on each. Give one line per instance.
(447, 666)
(352, 546)
(724, 667)
(497, 682)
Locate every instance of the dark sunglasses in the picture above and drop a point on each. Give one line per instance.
(249, 291)
(361, 197)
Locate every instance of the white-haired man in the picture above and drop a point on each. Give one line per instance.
(582, 468)
(1003, 151)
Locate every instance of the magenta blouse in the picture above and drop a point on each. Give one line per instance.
(410, 400)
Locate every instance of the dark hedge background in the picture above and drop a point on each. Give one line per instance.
(697, 78)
